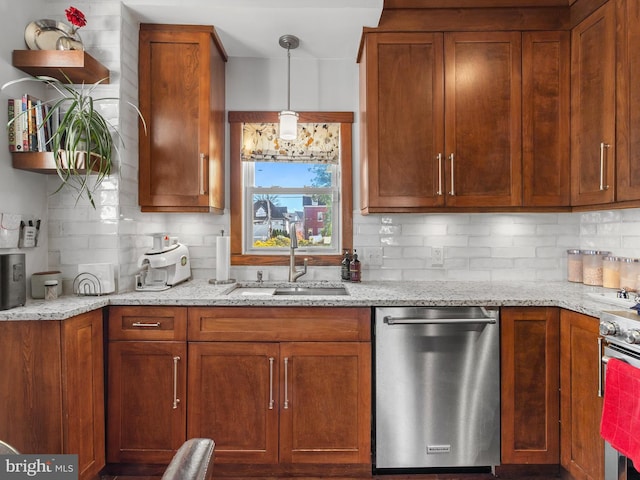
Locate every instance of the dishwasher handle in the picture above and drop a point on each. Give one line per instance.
(436, 321)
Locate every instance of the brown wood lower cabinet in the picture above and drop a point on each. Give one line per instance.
(281, 388)
(52, 388)
(582, 447)
(530, 354)
(146, 406)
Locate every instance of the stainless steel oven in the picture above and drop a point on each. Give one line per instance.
(620, 339)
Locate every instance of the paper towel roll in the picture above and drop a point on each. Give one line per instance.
(223, 258)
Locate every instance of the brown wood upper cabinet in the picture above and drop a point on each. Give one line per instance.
(628, 99)
(593, 108)
(182, 98)
(52, 388)
(441, 116)
(545, 119)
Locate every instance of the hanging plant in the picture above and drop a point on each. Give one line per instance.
(83, 142)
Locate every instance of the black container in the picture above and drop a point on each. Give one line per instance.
(13, 283)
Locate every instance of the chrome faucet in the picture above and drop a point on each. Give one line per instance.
(294, 274)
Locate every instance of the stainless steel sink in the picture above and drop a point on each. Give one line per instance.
(310, 291)
(313, 290)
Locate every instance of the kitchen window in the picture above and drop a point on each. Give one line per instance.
(272, 183)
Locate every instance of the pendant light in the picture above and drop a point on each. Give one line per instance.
(288, 118)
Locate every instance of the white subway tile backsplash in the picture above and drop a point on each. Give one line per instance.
(490, 263)
(425, 229)
(501, 246)
(477, 246)
(513, 252)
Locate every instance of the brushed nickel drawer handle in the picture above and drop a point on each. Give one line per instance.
(602, 169)
(176, 400)
(439, 157)
(452, 157)
(271, 402)
(286, 383)
(146, 325)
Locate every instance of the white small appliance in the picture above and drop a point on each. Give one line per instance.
(165, 265)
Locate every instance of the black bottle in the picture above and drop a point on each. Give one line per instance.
(354, 268)
(345, 266)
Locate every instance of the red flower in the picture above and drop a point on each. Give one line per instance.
(76, 17)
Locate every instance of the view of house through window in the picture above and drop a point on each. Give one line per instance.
(290, 184)
(278, 194)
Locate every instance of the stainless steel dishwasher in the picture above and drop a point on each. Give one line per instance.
(437, 387)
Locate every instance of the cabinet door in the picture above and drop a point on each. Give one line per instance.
(545, 119)
(483, 138)
(593, 100)
(325, 406)
(233, 398)
(146, 402)
(530, 381)
(31, 386)
(181, 89)
(581, 447)
(628, 98)
(83, 392)
(403, 131)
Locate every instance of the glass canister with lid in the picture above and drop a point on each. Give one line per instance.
(592, 266)
(629, 271)
(611, 272)
(574, 265)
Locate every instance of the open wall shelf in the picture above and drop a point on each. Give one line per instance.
(40, 162)
(78, 65)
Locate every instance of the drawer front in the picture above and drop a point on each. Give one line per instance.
(278, 324)
(147, 323)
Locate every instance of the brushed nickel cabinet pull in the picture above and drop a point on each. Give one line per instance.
(439, 157)
(146, 325)
(286, 383)
(602, 166)
(176, 400)
(203, 170)
(271, 402)
(453, 187)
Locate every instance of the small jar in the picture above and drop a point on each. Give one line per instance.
(592, 267)
(611, 272)
(50, 289)
(574, 265)
(629, 271)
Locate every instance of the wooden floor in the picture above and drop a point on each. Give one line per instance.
(436, 476)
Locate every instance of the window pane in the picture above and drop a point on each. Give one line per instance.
(292, 174)
(313, 214)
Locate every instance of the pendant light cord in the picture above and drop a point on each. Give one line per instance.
(288, 78)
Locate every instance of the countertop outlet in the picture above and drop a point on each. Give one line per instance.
(437, 256)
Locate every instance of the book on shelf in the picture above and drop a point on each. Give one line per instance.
(11, 128)
(30, 124)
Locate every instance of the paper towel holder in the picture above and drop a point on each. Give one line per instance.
(227, 281)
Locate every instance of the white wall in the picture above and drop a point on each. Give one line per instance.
(21, 192)
(477, 246)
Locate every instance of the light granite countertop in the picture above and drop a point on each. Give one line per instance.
(572, 296)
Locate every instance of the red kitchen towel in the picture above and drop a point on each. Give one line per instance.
(620, 424)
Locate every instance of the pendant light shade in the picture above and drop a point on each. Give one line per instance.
(288, 125)
(288, 118)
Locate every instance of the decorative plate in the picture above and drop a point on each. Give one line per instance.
(44, 34)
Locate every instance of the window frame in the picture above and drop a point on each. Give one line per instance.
(236, 119)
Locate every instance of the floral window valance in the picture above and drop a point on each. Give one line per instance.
(316, 142)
